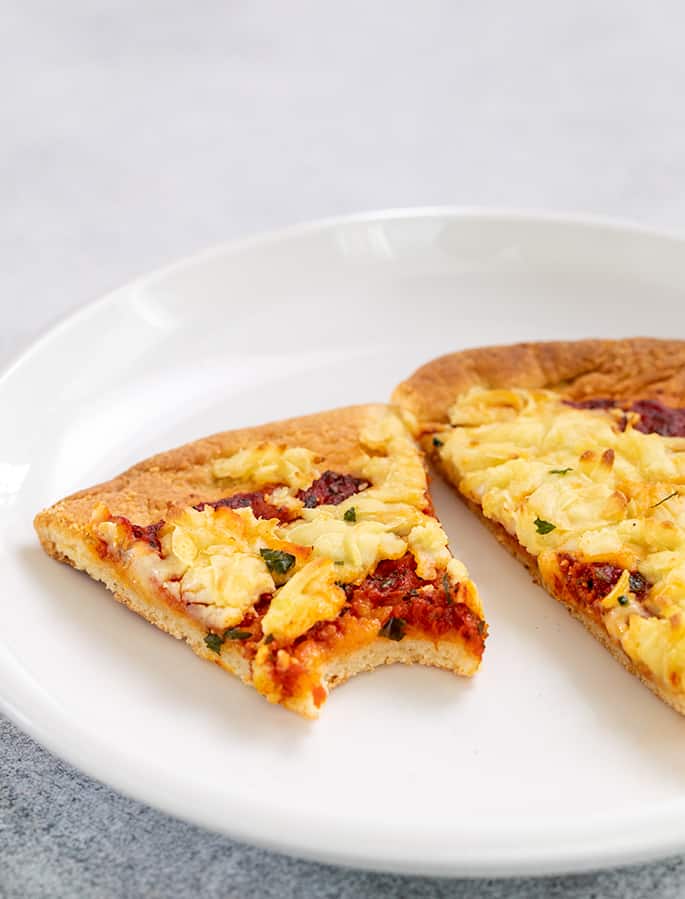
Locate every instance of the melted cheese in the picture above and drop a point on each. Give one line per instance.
(524, 456)
(216, 530)
(269, 463)
(220, 592)
(310, 596)
(396, 469)
(355, 548)
(210, 561)
(428, 543)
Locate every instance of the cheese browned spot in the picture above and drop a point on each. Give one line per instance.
(609, 490)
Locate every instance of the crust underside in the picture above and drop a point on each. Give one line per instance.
(631, 369)
(182, 477)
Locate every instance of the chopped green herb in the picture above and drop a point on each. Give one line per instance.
(665, 499)
(481, 626)
(393, 628)
(560, 470)
(623, 600)
(277, 561)
(214, 642)
(447, 588)
(544, 527)
(437, 442)
(339, 562)
(234, 633)
(350, 514)
(269, 638)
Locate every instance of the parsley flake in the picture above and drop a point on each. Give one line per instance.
(339, 562)
(447, 588)
(560, 470)
(214, 642)
(277, 561)
(269, 638)
(438, 442)
(393, 628)
(234, 633)
(665, 499)
(350, 514)
(623, 600)
(544, 527)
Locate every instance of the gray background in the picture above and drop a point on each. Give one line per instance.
(134, 132)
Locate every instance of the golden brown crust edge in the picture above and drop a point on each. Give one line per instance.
(675, 700)
(627, 369)
(183, 476)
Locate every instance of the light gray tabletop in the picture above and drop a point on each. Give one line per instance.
(136, 132)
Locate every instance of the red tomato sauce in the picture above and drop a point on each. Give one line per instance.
(654, 416)
(587, 583)
(331, 489)
(389, 601)
(591, 404)
(148, 534)
(395, 591)
(256, 501)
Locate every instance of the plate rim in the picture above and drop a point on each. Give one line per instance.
(514, 214)
(629, 850)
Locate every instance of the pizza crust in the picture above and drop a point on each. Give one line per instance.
(629, 369)
(183, 476)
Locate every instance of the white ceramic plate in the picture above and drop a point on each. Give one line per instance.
(552, 758)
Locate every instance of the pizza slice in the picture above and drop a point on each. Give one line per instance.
(574, 455)
(294, 554)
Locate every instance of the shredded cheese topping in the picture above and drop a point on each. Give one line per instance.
(269, 463)
(568, 480)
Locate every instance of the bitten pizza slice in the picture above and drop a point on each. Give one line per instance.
(574, 454)
(294, 554)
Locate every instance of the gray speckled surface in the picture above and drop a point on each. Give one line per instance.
(64, 835)
(133, 133)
